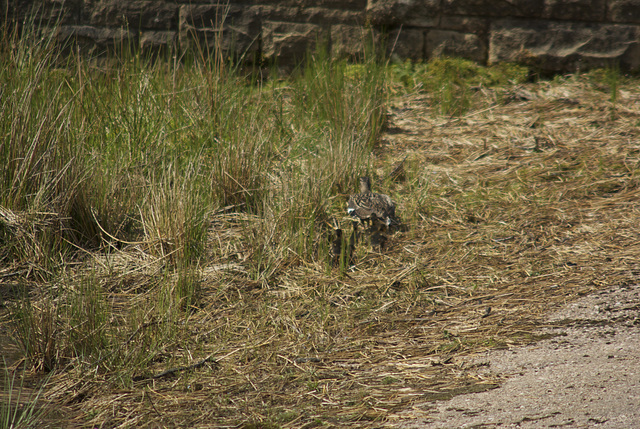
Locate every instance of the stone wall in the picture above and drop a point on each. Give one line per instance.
(552, 35)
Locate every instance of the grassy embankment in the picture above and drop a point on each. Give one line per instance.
(177, 217)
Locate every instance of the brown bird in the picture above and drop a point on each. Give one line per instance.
(367, 203)
(377, 233)
(336, 247)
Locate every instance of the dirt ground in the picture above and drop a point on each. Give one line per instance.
(587, 374)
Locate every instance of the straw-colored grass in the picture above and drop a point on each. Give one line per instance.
(193, 285)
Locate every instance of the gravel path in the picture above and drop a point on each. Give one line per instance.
(587, 375)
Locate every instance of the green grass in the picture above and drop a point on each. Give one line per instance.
(451, 82)
(21, 407)
(148, 147)
(138, 155)
(158, 213)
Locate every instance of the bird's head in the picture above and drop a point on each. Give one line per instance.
(365, 184)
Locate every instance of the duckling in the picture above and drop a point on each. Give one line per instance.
(336, 247)
(377, 233)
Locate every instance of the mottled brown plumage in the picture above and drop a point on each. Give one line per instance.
(336, 247)
(377, 233)
(367, 203)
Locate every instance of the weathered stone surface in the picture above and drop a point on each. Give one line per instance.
(93, 40)
(209, 15)
(331, 4)
(511, 8)
(624, 11)
(553, 35)
(234, 29)
(454, 44)
(50, 12)
(407, 43)
(309, 15)
(577, 10)
(465, 24)
(156, 15)
(349, 41)
(412, 13)
(565, 46)
(358, 5)
(233, 2)
(158, 41)
(323, 16)
(287, 43)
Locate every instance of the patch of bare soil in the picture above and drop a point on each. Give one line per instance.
(585, 375)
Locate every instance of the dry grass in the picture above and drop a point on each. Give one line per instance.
(524, 203)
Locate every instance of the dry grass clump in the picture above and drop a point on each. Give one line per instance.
(207, 296)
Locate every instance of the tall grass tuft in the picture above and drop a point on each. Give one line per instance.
(86, 320)
(131, 160)
(37, 331)
(69, 321)
(19, 409)
(179, 294)
(44, 203)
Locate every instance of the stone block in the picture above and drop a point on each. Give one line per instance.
(407, 43)
(309, 15)
(158, 41)
(95, 41)
(410, 13)
(511, 8)
(230, 2)
(148, 14)
(282, 3)
(576, 10)
(325, 16)
(278, 13)
(47, 13)
(286, 42)
(552, 46)
(455, 44)
(234, 29)
(465, 24)
(624, 11)
(357, 5)
(349, 41)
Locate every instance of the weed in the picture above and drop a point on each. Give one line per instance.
(37, 329)
(610, 78)
(452, 81)
(19, 409)
(87, 317)
(389, 380)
